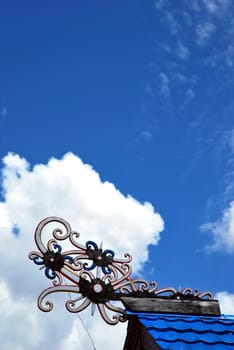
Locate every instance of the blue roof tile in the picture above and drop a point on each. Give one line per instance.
(182, 332)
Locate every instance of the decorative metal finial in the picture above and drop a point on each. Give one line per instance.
(95, 276)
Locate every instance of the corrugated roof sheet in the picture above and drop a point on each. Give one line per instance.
(182, 332)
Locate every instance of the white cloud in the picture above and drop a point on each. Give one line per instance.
(165, 85)
(12, 313)
(79, 336)
(73, 190)
(204, 31)
(226, 301)
(222, 231)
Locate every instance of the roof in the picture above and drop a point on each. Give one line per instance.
(184, 332)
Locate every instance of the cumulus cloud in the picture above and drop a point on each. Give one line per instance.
(226, 301)
(13, 311)
(222, 231)
(101, 334)
(97, 209)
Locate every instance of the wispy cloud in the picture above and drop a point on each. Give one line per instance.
(172, 22)
(194, 5)
(214, 59)
(204, 32)
(4, 112)
(189, 96)
(221, 59)
(188, 20)
(149, 90)
(146, 135)
(232, 142)
(217, 7)
(182, 51)
(179, 77)
(166, 48)
(159, 4)
(190, 29)
(222, 231)
(165, 85)
(211, 5)
(229, 56)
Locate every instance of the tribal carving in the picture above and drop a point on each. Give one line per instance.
(95, 276)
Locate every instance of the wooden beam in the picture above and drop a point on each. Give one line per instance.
(174, 306)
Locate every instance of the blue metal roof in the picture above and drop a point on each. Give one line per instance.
(182, 332)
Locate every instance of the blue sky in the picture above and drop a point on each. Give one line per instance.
(143, 92)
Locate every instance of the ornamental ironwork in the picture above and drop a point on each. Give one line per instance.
(95, 276)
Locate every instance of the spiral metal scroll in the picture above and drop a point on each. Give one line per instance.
(96, 277)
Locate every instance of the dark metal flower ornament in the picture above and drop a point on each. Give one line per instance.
(52, 261)
(99, 258)
(94, 275)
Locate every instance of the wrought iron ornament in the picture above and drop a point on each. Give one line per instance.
(95, 276)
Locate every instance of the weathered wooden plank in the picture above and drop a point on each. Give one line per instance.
(162, 305)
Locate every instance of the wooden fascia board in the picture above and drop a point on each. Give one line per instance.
(174, 306)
